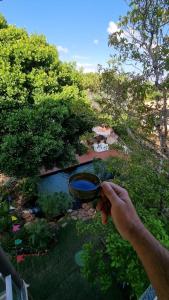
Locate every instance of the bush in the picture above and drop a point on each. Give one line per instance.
(39, 234)
(35, 236)
(95, 263)
(7, 243)
(5, 219)
(55, 204)
(28, 187)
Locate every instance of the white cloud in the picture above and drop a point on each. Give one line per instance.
(128, 34)
(112, 27)
(87, 68)
(80, 57)
(96, 42)
(62, 49)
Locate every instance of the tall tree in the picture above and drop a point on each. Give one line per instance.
(30, 67)
(43, 108)
(141, 39)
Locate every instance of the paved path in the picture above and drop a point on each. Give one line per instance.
(89, 156)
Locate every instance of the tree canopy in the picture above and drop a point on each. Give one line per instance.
(140, 40)
(43, 107)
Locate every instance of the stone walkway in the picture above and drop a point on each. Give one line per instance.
(87, 212)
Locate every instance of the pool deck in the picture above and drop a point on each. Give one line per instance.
(87, 157)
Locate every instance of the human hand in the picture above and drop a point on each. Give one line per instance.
(116, 202)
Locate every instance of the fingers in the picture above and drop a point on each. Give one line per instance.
(117, 188)
(104, 218)
(104, 213)
(99, 206)
(120, 192)
(110, 193)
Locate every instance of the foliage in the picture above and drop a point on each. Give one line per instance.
(43, 109)
(137, 99)
(149, 191)
(117, 255)
(44, 134)
(28, 187)
(39, 234)
(100, 169)
(91, 82)
(7, 243)
(140, 176)
(3, 22)
(55, 204)
(30, 67)
(5, 219)
(35, 236)
(8, 239)
(141, 36)
(124, 97)
(56, 275)
(95, 263)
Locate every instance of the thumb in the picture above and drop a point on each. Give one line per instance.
(110, 193)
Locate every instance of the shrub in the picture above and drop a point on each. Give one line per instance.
(7, 243)
(5, 219)
(95, 263)
(28, 187)
(39, 234)
(55, 204)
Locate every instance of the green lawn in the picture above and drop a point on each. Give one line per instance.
(56, 276)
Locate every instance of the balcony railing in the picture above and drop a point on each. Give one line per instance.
(12, 287)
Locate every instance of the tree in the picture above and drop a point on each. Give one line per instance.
(43, 108)
(3, 22)
(141, 39)
(91, 82)
(123, 97)
(30, 67)
(43, 134)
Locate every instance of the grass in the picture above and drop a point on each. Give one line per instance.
(56, 276)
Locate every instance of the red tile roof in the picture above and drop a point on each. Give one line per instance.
(87, 157)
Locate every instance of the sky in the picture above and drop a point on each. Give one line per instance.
(79, 29)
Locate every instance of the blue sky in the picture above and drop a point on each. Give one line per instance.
(78, 28)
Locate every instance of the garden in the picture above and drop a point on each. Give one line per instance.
(48, 109)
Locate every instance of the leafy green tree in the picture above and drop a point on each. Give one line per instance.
(30, 67)
(141, 39)
(3, 22)
(91, 82)
(45, 134)
(43, 108)
(123, 96)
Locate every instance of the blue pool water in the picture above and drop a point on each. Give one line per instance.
(59, 182)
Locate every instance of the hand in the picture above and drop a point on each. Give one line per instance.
(116, 202)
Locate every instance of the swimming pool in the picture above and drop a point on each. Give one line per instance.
(59, 182)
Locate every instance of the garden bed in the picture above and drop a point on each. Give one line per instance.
(57, 276)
